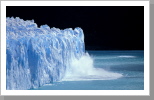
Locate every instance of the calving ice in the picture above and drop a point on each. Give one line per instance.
(41, 55)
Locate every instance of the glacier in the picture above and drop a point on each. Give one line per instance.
(37, 56)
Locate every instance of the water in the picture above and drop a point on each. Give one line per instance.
(113, 70)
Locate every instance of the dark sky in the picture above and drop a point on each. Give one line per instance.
(105, 27)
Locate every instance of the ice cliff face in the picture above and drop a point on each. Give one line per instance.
(36, 56)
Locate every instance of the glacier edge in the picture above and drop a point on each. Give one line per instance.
(37, 56)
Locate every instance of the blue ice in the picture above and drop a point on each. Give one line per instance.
(39, 55)
(36, 56)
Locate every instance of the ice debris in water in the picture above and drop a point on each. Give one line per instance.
(37, 56)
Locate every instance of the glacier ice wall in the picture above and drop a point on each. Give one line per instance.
(36, 56)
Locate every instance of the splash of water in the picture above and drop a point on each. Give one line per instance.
(82, 70)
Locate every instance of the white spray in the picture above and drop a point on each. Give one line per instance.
(82, 69)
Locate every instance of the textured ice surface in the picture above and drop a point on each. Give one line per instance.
(36, 56)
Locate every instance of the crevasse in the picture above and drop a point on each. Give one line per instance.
(37, 56)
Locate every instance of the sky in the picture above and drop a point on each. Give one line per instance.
(104, 27)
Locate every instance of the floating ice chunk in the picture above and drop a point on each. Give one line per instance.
(127, 56)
